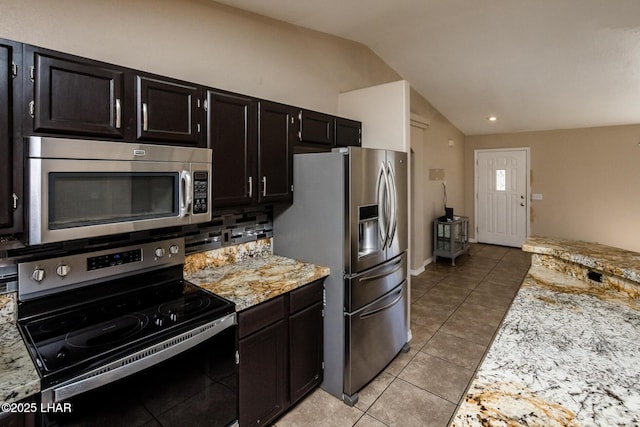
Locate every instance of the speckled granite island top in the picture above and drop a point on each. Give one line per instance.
(252, 280)
(18, 375)
(568, 350)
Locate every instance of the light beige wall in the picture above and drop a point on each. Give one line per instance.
(435, 153)
(202, 42)
(384, 113)
(589, 180)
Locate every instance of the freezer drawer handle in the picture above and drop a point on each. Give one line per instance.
(397, 266)
(377, 310)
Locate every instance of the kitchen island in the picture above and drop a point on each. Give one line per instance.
(567, 351)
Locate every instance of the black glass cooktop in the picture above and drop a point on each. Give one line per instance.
(83, 335)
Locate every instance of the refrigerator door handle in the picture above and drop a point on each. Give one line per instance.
(394, 204)
(387, 208)
(382, 200)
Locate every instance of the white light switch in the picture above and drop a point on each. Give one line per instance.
(536, 196)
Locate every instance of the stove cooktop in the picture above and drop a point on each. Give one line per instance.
(66, 342)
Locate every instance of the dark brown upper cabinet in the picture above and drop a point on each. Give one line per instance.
(321, 132)
(348, 133)
(168, 111)
(232, 135)
(70, 95)
(276, 133)
(316, 128)
(10, 146)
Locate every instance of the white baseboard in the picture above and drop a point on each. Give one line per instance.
(474, 240)
(420, 270)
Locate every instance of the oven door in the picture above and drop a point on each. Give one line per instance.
(74, 199)
(196, 387)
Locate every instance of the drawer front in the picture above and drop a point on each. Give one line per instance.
(306, 295)
(260, 316)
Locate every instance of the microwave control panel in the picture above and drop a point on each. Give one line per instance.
(200, 192)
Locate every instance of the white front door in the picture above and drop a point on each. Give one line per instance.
(502, 208)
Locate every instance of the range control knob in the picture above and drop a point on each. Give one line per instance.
(62, 270)
(174, 249)
(38, 274)
(62, 355)
(158, 320)
(159, 252)
(173, 316)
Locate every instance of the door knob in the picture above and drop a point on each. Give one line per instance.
(522, 204)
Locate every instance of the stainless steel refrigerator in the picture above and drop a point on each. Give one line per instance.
(350, 214)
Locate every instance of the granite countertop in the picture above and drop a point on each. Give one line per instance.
(253, 280)
(567, 351)
(617, 262)
(18, 375)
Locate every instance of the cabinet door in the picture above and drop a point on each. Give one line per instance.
(10, 147)
(262, 375)
(75, 96)
(306, 350)
(316, 128)
(167, 111)
(232, 135)
(348, 132)
(276, 131)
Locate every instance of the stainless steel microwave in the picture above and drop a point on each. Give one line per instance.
(80, 189)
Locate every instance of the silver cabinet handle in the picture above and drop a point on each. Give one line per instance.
(118, 114)
(145, 117)
(250, 186)
(264, 186)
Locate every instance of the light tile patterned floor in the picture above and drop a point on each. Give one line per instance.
(455, 312)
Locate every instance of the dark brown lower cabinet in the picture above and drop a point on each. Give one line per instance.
(305, 350)
(262, 375)
(280, 349)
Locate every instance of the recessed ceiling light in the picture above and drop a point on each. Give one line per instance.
(492, 118)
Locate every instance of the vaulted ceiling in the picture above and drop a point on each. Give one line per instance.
(534, 64)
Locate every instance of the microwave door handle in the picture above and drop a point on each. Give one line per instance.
(185, 193)
(382, 221)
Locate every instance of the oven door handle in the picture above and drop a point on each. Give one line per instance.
(185, 193)
(136, 362)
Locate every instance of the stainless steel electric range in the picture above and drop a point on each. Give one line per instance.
(120, 336)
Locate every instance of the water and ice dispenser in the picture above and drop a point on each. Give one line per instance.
(368, 230)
